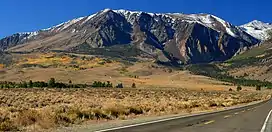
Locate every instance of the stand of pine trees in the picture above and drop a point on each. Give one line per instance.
(52, 83)
(98, 84)
(40, 84)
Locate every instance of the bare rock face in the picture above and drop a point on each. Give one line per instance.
(13, 40)
(179, 38)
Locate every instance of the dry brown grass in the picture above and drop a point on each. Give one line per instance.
(156, 77)
(262, 72)
(23, 109)
(71, 62)
(87, 69)
(160, 90)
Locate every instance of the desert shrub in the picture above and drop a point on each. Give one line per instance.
(65, 115)
(114, 112)
(239, 88)
(230, 89)
(258, 88)
(5, 123)
(27, 117)
(133, 85)
(8, 125)
(120, 85)
(98, 114)
(46, 120)
(136, 110)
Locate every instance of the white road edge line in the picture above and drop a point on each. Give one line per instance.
(178, 117)
(145, 123)
(266, 121)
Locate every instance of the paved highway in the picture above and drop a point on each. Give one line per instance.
(254, 118)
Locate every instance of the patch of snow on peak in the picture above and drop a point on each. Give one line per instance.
(128, 14)
(106, 10)
(54, 27)
(205, 19)
(89, 18)
(28, 35)
(63, 25)
(32, 34)
(69, 23)
(226, 25)
(209, 21)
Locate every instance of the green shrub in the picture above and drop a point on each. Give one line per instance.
(98, 84)
(30, 84)
(120, 85)
(52, 83)
(258, 88)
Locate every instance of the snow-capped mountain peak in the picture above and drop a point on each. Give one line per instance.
(206, 20)
(257, 29)
(127, 12)
(190, 38)
(258, 24)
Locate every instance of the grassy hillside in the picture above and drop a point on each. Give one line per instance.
(213, 71)
(255, 63)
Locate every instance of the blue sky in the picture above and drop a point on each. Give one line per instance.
(31, 15)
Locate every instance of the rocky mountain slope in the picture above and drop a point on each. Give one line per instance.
(257, 29)
(179, 38)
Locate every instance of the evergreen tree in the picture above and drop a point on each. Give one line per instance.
(258, 88)
(133, 85)
(24, 85)
(103, 85)
(52, 83)
(30, 84)
(109, 84)
(120, 85)
(239, 88)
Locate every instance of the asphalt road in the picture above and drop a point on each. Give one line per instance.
(246, 119)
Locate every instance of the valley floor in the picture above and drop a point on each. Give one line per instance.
(159, 90)
(38, 109)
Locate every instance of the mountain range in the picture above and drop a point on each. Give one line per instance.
(167, 37)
